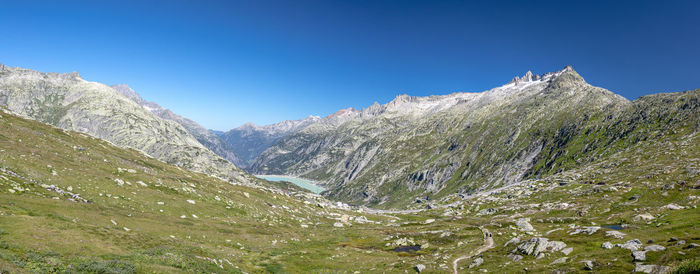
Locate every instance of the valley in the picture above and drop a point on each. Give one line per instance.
(546, 173)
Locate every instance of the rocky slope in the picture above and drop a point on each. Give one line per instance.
(203, 135)
(418, 148)
(70, 102)
(249, 140)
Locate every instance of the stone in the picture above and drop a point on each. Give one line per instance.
(643, 217)
(659, 269)
(567, 250)
(692, 245)
(487, 211)
(476, 262)
(338, 224)
(588, 265)
(419, 268)
(533, 246)
(639, 256)
(555, 246)
(607, 245)
(673, 239)
(524, 224)
(429, 221)
(515, 257)
(672, 207)
(681, 242)
(615, 234)
(632, 245)
(586, 229)
(515, 240)
(560, 260)
(654, 248)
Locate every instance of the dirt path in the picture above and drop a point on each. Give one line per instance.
(488, 244)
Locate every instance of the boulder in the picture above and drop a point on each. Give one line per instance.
(515, 257)
(587, 265)
(632, 245)
(672, 207)
(476, 262)
(586, 229)
(654, 248)
(615, 234)
(659, 269)
(515, 240)
(555, 246)
(560, 260)
(643, 217)
(607, 245)
(419, 268)
(524, 224)
(533, 247)
(567, 250)
(639, 256)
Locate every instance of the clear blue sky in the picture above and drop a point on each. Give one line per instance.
(223, 63)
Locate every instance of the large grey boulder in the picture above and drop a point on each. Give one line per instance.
(419, 268)
(639, 255)
(524, 224)
(657, 269)
(476, 262)
(632, 245)
(534, 246)
(607, 245)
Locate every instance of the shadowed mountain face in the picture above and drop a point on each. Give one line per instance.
(118, 115)
(249, 140)
(390, 155)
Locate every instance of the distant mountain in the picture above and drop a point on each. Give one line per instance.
(115, 114)
(416, 147)
(204, 136)
(249, 140)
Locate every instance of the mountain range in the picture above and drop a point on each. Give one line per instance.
(546, 173)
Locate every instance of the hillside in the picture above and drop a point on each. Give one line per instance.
(72, 203)
(70, 102)
(418, 148)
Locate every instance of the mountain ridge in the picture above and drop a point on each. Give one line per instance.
(70, 102)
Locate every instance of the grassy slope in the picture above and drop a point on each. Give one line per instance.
(43, 231)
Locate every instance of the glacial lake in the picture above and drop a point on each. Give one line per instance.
(294, 180)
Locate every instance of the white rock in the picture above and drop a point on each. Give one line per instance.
(644, 217)
(191, 201)
(524, 224)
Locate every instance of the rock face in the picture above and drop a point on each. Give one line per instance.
(249, 140)
(69, 102)
(203, 135)
(465, 142)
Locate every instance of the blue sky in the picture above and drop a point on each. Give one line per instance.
(223, 63)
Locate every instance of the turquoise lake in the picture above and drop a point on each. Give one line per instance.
(297, 181)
